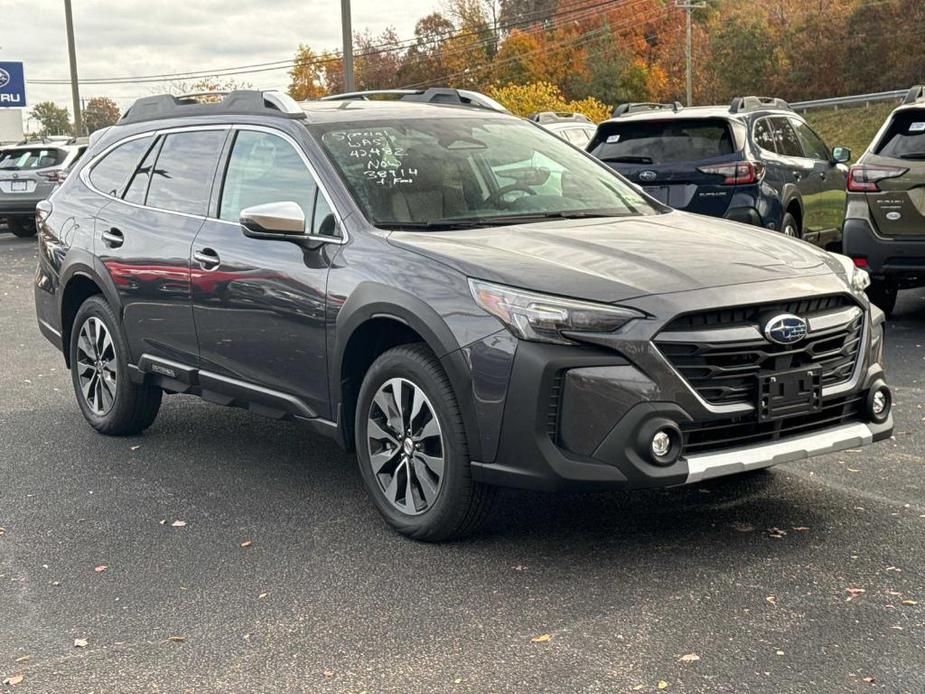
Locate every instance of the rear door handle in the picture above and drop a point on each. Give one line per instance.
(113, 238)
(797, 175)
(207, 258)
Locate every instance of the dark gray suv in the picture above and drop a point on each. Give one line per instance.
(460, 297)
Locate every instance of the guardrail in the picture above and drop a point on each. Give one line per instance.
(854, 100)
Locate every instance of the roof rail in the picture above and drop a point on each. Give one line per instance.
(915, 93)
(431, 95)
(557, 117)
(239, 102)
(744, 104)
(640, 106)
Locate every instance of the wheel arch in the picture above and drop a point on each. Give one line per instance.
(794, 205)
(79, 282)
(375, 319)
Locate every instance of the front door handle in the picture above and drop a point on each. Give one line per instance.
(207, 258)
(113, 238)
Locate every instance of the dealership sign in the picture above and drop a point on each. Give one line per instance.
(12, 85)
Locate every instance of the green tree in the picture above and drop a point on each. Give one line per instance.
(53, 118)
(100, 112)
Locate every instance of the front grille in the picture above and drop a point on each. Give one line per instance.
(727, 372)
(746, 430)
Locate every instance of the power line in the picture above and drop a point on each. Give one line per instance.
(404, 44)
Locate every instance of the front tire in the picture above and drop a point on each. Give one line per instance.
(412, 451)
(22, 227)
(789, 226)
(882, 293)
(109, 400)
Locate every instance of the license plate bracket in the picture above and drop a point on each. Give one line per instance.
(789, 393)
(19, 186)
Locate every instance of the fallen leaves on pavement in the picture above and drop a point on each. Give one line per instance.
(777, 532)
(662, 684)
(13, 680)
(101, 568)
(80, 643)
(24, 659)
(689, 658)
(247, 543)
(178, 524)
(176, 639)
(542, 638)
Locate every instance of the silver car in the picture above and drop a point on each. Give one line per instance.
(29, 173)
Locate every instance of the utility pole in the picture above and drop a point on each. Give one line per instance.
(72, 57)
(348, 45)
(689, 6)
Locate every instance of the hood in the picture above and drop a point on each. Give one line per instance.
(613, 260)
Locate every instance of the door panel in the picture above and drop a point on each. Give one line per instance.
(259, 304)
(825, 209)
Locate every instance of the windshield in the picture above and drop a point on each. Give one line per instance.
(35, 158)
(663, 141)
(456, 172)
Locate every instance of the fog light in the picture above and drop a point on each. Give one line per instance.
(661, 444)
(878, 405)
(879, 402)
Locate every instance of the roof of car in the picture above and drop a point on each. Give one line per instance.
(697, 112)
(375, 109)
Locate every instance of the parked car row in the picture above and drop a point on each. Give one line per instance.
(460, 298)
(29, 172)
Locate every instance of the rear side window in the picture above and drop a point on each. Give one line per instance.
(662, 141)
(788, 143)
(112, 171)
(763, 135)
(33, 158)
(905, 136)
(813, 146)
(182, 177)
(138, 187)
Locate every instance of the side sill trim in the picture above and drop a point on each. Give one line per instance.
(708, 465)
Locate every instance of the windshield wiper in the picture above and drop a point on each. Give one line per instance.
(628, 159)
(498, 220)
(912, 155)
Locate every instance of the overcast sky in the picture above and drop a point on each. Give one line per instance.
(119, 38)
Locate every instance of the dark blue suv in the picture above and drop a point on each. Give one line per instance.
(754, 161)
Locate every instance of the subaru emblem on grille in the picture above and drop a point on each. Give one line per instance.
(647, 176)
(785, 329)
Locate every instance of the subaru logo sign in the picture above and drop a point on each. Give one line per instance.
(12, 85)
(4, 78)
(785, 329)
(647, 176)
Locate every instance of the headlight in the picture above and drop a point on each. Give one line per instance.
(858, 279)
(543, 318)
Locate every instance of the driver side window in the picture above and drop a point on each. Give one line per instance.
(265, 168)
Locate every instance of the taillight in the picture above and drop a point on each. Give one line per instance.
(860, 262)
(736, 173)
(863, 178)
(55, 175)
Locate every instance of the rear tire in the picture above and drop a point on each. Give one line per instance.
(789, 226)
(409, 423)
(22, 227)
(882, 293)
(108, 398)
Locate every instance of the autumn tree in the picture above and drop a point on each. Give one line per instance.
(306, 77)
(100, 112)
(378, 59)
(422, 64)
(53, 119)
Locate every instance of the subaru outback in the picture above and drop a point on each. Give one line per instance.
(885, 215)
(455, 294)
(754, 161)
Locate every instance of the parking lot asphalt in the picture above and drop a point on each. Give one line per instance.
(806, 578)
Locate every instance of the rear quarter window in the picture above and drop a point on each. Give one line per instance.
(905, 136)
(111, 172)
(662, 141)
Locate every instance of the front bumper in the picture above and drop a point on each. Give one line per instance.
(573, 416)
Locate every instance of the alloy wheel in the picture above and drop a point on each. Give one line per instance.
(791, 231)
(96, 366)
(406, 447)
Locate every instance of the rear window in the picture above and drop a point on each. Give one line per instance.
(905, 136)
(662, 141)
(32, 158)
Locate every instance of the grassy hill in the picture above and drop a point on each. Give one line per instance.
(851, 127)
